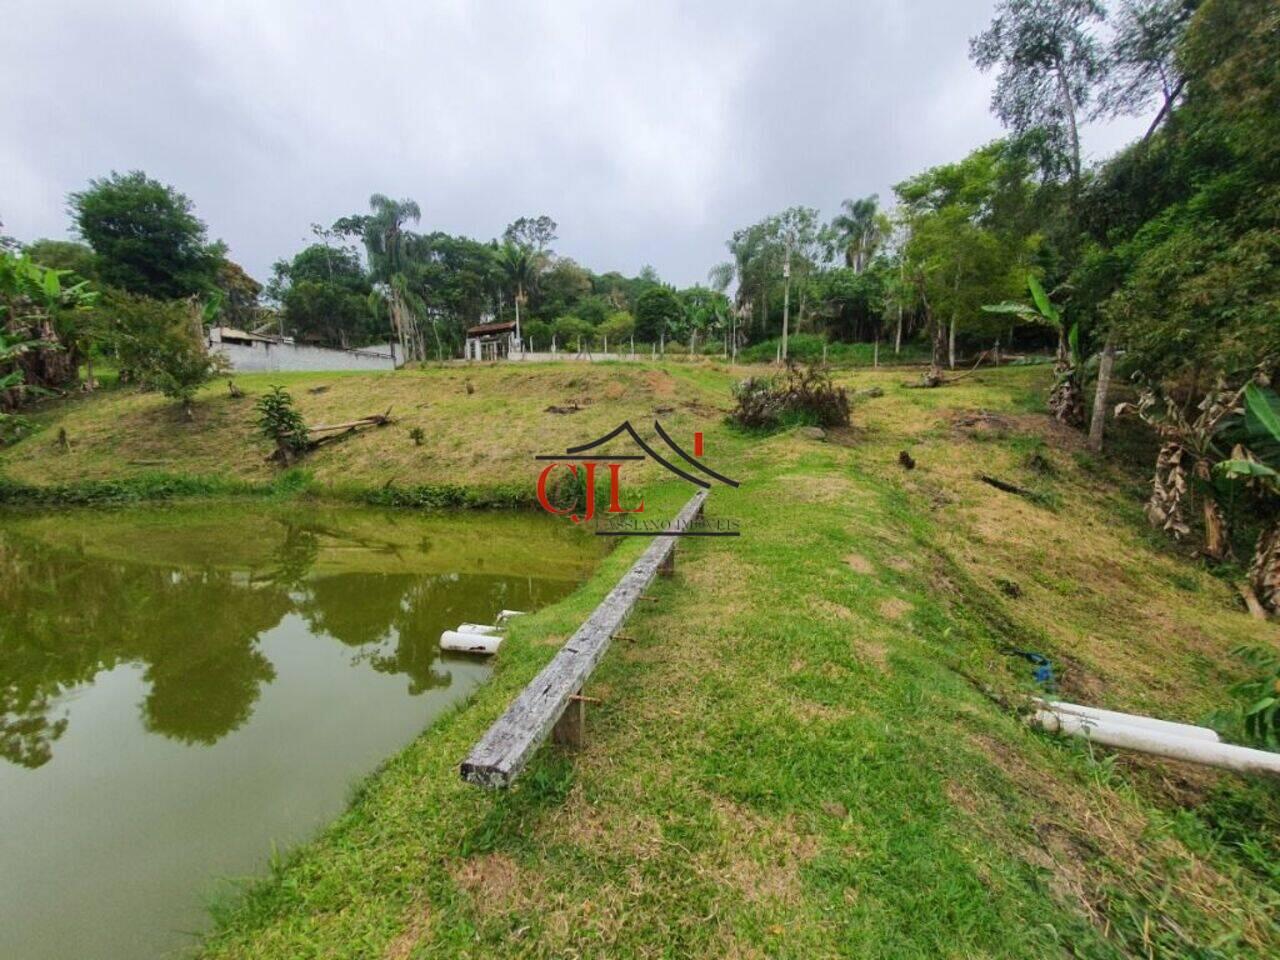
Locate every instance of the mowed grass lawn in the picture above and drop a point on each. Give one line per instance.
(809, 746)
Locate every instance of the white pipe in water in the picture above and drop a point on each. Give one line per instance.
(478, 628)
(1131, 720)
(486, 643)
(1144, 740)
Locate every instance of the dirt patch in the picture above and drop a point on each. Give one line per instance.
(612, 829)
(416, 922)
(859, 564)
(895, 608)
(766, 859)
(660, 382)
(495, 883)
(800, 488)
(836, 610)
(876, 654)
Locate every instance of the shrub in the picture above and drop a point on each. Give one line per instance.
(160, 344)
(801, 395)
(569, 329)
(538, 332)
(280, 422)
(619, 328)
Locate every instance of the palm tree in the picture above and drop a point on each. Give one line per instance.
(384, 238)
(521, 265)
(861, 229)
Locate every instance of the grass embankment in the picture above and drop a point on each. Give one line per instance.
(793, 756)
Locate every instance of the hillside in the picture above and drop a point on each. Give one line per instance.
(810, 747)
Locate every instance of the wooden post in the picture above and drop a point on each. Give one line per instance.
(570, 728)
(875, 355)
(668, 566)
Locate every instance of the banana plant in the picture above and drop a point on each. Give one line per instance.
(1255, 462)
(1066, 398)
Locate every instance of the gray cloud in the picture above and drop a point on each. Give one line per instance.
(649, 130)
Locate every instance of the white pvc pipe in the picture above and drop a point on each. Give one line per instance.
(505, 615)
(1132, 720)
(1144, 740)
(469, 642)
(477, 628)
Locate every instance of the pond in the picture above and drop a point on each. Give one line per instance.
(184, 690)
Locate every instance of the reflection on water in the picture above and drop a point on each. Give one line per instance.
(179, 689)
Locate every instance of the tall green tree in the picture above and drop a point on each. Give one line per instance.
(146, 235)
(859, 230)
(1141, 61)
(659, 314)
(385, 241)
(1050, 62)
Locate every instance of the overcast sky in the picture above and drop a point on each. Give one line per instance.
(649, 131)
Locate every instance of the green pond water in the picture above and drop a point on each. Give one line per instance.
(185, 690)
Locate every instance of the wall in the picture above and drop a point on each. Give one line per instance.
(270, 357)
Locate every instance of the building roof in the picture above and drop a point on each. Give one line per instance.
(488, 329)
(231, 333)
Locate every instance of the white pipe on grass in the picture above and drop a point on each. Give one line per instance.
(1131, 720)
(1145, 740)
(478, 628)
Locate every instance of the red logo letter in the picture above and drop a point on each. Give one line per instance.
(614, 505)
(542, 488)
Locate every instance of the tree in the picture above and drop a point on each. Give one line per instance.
(318, 310)
(562, 287)
(1050, 62)
(521, 265)
(77, 259)
(385, 243)
(620, 327)
(239, 296)
(324, 292)
(78, 330)
(658, 313)
(42, 312)
(798, 231)
(1066, 397)
(146, 236)
(1141, 59)
(572, 331)
(533, 233)
(967, 242)
(860, 230)
(161, 344)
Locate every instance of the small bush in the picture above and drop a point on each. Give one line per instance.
(280, 422)
(800, 396)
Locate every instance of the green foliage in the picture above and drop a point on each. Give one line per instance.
(1186, 259)
(146, 236)
(658, 312)
(1262, 694)
(570, 330)
(77, 259)
(280, 422)
(161, 344)
(35, 300)
(619, 328)
(801, 395)
(330, 313)
(1050, 62)
(539, 333)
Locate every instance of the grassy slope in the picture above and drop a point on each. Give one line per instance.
(789, 759)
